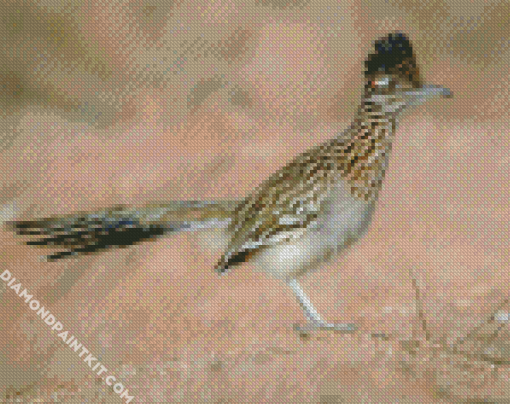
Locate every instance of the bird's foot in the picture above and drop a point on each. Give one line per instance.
(322, 325)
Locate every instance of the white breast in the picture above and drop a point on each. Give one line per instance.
(342, 221)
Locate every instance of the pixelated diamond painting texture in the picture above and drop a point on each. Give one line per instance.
(129, 102)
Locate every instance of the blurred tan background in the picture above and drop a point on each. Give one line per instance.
(136, 101)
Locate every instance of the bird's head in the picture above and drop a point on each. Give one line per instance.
(392, 77)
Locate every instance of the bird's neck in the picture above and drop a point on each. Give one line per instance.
(365, 148)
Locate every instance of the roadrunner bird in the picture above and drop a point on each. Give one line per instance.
(314, 207)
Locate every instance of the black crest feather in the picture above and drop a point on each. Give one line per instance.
(390, 52)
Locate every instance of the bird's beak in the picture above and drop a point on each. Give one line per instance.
(420, 95)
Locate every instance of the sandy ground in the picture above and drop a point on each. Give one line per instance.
(138, 101)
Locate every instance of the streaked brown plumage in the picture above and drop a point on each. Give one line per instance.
(303, 214)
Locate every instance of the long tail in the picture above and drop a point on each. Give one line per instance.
(88, 232)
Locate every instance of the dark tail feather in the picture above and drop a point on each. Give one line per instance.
(82, 236)
(90, 232)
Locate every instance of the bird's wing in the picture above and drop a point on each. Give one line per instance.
(282, 208)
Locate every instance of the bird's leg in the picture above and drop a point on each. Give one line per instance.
(314, 318)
